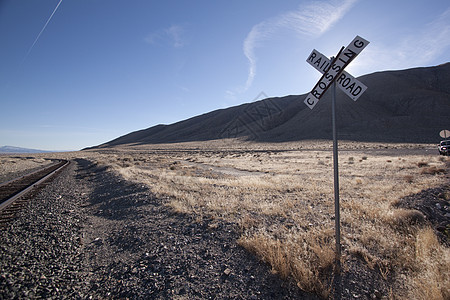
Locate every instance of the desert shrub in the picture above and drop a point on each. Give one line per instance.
(403, 218)
(432, 170)
(408, 178)
(363, 253)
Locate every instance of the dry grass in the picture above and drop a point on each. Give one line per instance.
(433, 280)
(432, 170)
(306, 256)
(283, 203)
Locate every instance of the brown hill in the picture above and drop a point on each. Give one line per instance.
(399, 106)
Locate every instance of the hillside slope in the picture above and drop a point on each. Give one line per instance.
(399, 106)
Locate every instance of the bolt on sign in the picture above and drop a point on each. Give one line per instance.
(334, 71)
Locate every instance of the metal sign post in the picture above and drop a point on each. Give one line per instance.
(337, 215)
(333, 72)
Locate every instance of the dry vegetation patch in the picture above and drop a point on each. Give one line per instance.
(283, 204)
(12, 166)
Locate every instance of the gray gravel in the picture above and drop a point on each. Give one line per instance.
(41, 252)
(92, 235)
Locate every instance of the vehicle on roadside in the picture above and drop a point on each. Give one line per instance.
(444, 147)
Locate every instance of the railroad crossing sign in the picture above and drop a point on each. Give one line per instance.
(333, 71)
(346, 82)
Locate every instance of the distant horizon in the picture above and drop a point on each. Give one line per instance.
(16, 149)
(76, 74)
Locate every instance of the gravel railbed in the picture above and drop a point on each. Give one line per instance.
(41, 251)
(93, 235)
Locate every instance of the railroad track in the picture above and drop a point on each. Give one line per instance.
(13, 193)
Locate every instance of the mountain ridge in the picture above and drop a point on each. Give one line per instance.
(18, 150)
(410, 105)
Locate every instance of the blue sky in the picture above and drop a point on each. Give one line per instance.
(79, 73)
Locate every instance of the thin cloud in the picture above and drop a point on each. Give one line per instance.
(173, 35)
(311, 20)
(176, 34)
(420, 49)
(431, 42)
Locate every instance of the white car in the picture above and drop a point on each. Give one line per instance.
(444, 147)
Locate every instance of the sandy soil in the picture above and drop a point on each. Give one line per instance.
(14, 166)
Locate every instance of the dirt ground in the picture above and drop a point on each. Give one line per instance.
(92, 233)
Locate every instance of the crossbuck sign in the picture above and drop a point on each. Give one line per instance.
(333, 71)
(346, 82)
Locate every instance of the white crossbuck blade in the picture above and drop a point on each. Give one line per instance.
(348, 84)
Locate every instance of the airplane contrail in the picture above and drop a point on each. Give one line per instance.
(6, 85)
(42, 30)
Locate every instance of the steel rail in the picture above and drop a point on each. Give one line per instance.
(13, 198)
